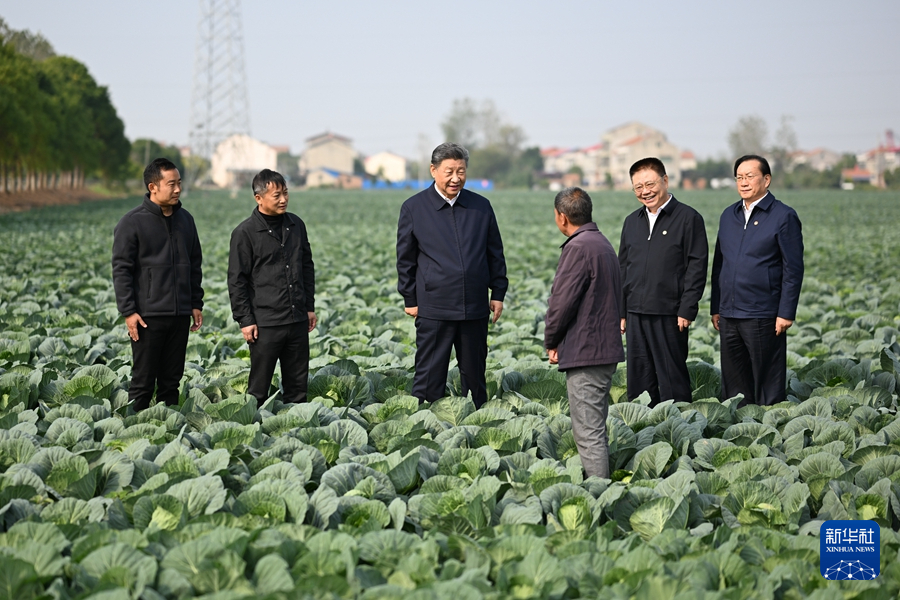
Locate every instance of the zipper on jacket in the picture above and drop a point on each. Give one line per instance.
(149, 282)
(459, 252)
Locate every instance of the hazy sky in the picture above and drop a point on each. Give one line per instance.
(384, 72)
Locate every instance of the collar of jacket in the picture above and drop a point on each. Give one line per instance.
(586, 227)
(440, 203)
(765, 204)
(261, 224)
(668, 210)
(155, 208)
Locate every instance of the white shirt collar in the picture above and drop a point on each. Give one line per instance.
(652, 215)
(749, 209)
(450, 201)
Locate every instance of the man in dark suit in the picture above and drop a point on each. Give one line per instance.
(756, 277)
(272, 286)
(449, 254)
(663, 255)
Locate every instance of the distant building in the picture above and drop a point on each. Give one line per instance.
(319, 178)
(328, 151)
(562, 161)
(608, 162)
(819, 159)
(387, 166)
(886, 157)
(238, 158)
(627, 144)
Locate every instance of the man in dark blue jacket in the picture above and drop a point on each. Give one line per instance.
(582, 325)
(449, 254)
(272, 286)
(756, 277)
(156, 269)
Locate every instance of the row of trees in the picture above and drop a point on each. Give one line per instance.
(57, 126)
(495, 147)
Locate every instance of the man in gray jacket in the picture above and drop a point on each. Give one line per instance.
(582, 325)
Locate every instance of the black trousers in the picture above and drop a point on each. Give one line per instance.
(656, 355)
(434, 338)
(158, 360)
(754, 360)
(290, 345)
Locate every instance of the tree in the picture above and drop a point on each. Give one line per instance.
(748, 136)
(32, 45)
(144, 150)
(495, 147)
(785, 145)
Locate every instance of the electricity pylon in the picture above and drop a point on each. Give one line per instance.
(219, 105)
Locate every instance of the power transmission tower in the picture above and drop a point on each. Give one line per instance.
(219, 105)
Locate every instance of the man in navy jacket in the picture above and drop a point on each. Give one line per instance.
(449, 254)
(157, 274)
(756, 277)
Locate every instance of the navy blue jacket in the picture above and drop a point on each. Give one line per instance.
(157, 262)
(582, 320)
(271, 279)
(758, 268)
(448, 256)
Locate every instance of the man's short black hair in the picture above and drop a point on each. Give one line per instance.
(575, 203)
(153, 172)
(763, 163)
(651, 162)
(449, 151)
(262, 180)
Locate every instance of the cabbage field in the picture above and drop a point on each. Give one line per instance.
(361, 493)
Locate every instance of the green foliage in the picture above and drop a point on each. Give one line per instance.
(362, 492)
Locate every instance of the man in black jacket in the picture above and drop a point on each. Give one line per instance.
(449, 253)
(156, 268)
(663, 255)
(272, 286)
(582, 325)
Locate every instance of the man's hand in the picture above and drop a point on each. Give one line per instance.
(715, 321)
(412, 311)
(554, 356)
(683, 324)
(622, 326)
(131, 322)
(251, 332)
(782, 325)
(497, 309)
(197, 315)
(313, 320)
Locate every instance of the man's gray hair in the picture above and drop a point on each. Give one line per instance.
(449, 151)
(575, 203)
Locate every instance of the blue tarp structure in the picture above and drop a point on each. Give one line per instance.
(477, 185)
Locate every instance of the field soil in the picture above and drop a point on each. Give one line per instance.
(20, 201)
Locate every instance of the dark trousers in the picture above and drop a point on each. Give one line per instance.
(290, 345)
(754, 360)
(158, 360)
(434, 338)
(656, 355)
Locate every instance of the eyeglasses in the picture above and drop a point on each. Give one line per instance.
(650, 186)
(747, 178)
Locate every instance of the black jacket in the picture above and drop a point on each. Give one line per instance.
(758, 265)
(582, 320)
(157, 262)
(664, 273)
(271, 281)
(448, 256)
